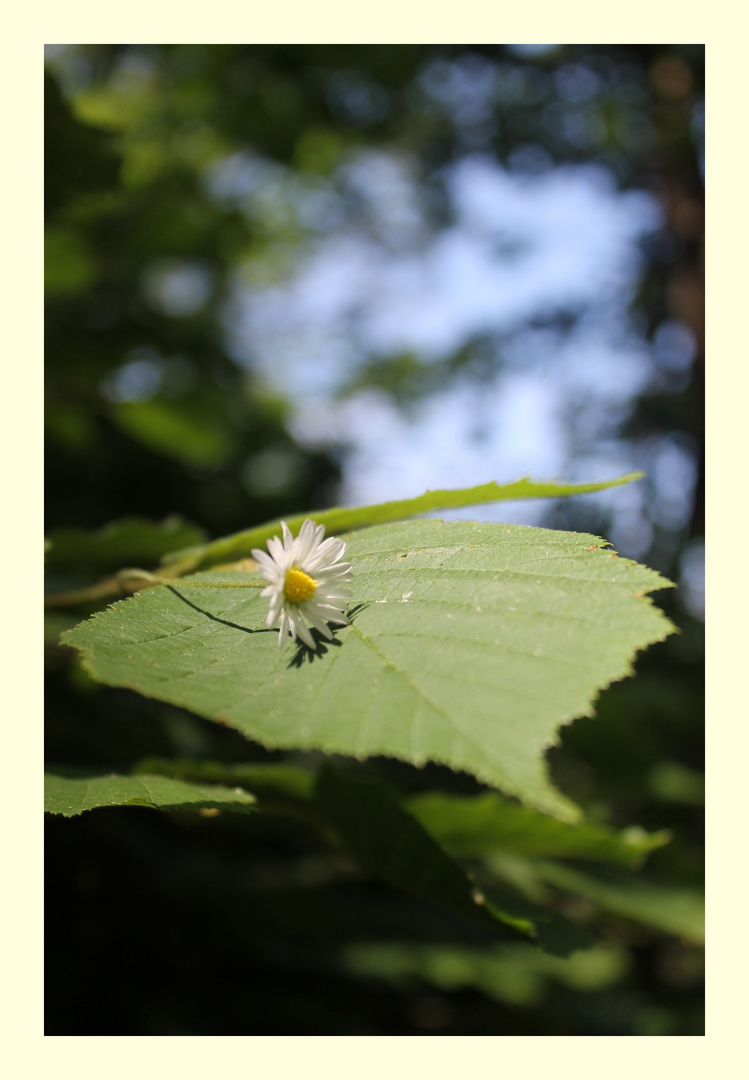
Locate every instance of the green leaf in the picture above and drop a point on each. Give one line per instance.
(132, 540)
(671, 781)
(78, 158)
(269, 779)
(472, 826)
(469, 645)
(554, 933)
(71, 791)
(672, 910)
(514, 974)
(342, 519)
(385, 839)
(68, 266)
(192, 430)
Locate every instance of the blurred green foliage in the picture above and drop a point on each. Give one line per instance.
(253, 925)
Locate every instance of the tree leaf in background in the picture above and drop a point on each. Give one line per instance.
(78, 158)
(470, 644)
(132, 540)
(385, 839)
(270, 778)
(514, 974)
(70, 791)
(68, 266)
(342, 519)
(679, 911)
(188, 429)
(471, 826)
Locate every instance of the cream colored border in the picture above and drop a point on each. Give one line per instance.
(26, 1051)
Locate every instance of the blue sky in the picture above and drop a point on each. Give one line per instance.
(383, 280)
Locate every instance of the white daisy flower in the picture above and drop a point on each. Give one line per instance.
(306, 579)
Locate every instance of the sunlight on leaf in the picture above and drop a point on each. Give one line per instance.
(469, 645)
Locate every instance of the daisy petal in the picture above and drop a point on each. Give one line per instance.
(319, 624)
(305, 634)
(283, 631)
(276, 549)
(263, 558)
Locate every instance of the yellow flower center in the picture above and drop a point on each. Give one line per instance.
(298, 586)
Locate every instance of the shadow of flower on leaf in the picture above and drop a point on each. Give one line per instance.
(323, 645)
